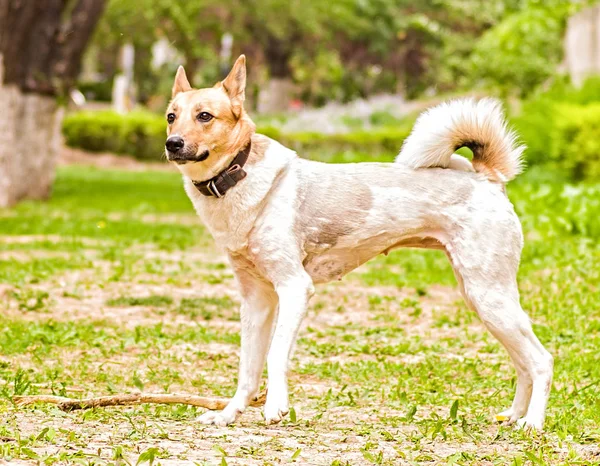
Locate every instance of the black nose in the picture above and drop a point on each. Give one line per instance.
(174, 143)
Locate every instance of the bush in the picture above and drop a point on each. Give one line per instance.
(576, 140)
(562, 90)
(534, 125)
(142, 135)
(568, 208)
(100, 91)
(561, 128)
(523, 50)
(387, 140)
(139, 134)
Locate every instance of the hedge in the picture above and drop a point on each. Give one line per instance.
(576, 140)
(564, 137)
(99, 91)
(139, 134)
(142, 135)
(561, 129)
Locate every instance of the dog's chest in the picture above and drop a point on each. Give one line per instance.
(229, 221)
(231, 218)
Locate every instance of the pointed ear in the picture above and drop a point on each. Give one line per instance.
(181, 83)
(235, 84)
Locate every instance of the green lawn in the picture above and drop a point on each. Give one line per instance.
(114, 286)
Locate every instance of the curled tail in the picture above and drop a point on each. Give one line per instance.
(478, 125)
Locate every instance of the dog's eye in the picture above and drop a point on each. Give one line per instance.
(170, 118)
(205, 116)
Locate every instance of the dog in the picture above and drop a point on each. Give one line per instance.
(287, 223)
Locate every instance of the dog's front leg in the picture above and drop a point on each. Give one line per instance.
(256, 315)
(294, 294)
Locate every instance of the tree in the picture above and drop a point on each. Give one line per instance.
(527, 47)
(341, 49)
(41, 45)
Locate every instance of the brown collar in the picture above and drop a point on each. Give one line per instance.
(228, 178)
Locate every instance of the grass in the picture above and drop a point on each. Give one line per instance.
(114, 286)
(154, 301)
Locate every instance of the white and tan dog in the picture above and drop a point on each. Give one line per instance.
(287, 223)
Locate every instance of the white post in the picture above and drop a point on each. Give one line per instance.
(582, 44)
(225, 54)
(123, 89)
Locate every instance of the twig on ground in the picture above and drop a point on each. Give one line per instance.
(71, 404)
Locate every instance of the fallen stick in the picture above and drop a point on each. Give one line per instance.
(71, 404)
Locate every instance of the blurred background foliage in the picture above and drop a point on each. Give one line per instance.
(336, 53)
(344, 49)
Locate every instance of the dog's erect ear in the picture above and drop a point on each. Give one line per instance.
(181, 83)
(235, 85)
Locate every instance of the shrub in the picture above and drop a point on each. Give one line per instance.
(534, 124)
(562, 136)
(557, 132)
(561, 128)
(100, 91)
(142, 135)
(576, 140)
(562, 90)
(523, 50)
(387, 140)
(568, 208)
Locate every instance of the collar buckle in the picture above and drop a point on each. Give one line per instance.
(212, 188)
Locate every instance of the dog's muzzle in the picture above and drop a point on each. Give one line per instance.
(180, 153)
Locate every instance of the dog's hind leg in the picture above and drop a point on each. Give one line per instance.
(257, 312)
(490, 288)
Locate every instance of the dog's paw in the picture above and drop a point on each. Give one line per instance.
(275, 411)
(530, 424)
(218, 418)
(510, 416)
(275, 415)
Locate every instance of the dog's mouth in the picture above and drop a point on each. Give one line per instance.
(182, 159)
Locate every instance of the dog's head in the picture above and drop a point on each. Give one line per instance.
(207, 127)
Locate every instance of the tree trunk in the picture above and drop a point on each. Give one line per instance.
(276, 96)
(41, 45)
(30, 129)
